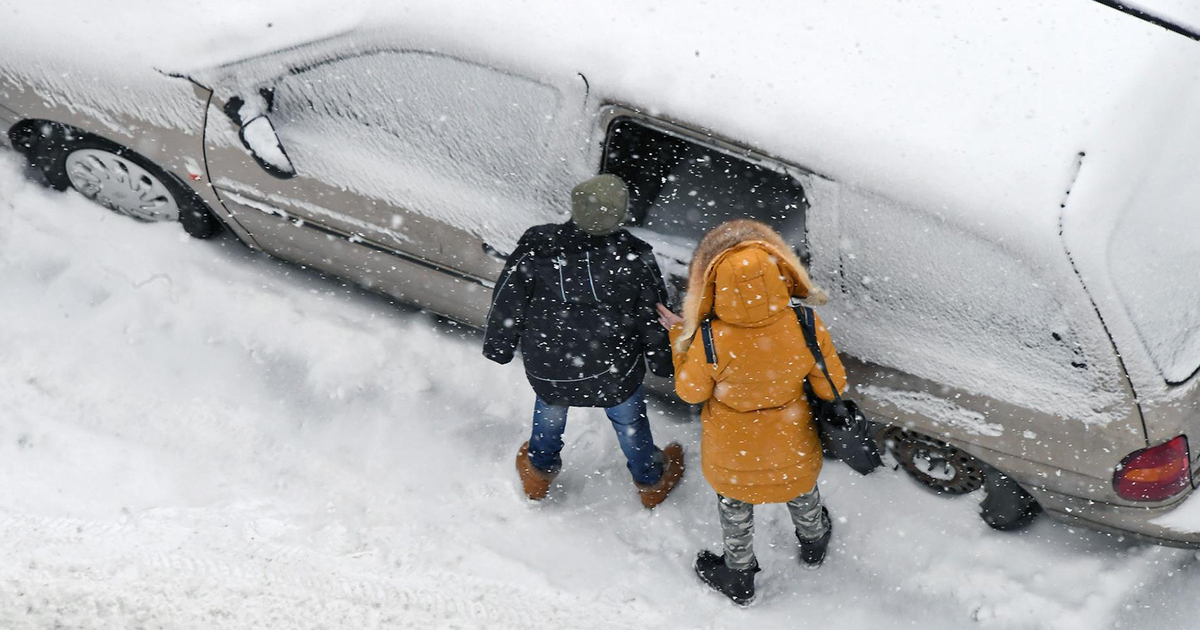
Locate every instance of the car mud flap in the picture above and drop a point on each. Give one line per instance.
(1007, 505)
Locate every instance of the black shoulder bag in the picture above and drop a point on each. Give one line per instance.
(845, 431)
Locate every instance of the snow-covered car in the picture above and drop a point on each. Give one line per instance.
(1002, 209)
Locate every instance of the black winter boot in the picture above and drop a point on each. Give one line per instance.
(732, 583)
(812, 552)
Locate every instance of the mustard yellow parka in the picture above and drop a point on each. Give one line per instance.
(759, 444)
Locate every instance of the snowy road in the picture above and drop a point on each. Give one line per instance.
(195, 436)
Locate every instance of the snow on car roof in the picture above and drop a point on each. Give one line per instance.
(1181, 13)
(978, 107)
(975, 109)
(999, 95)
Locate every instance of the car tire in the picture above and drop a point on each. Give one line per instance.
(118, 178)
(934, 463)
(950, 470)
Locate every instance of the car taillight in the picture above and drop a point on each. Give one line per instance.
(1155, 473)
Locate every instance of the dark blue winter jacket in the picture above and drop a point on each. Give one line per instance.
(581, 307)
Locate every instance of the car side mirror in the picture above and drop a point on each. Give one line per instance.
(258, 134)
(259, 137)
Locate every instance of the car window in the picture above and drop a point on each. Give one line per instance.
(454, 140)
(681, 188)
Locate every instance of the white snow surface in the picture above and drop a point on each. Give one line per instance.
(196, 436)
(1185, 518)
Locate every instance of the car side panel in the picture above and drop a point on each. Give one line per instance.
(964, 338)
(341, 217)
(246, 188)
(1036, 448)
(403, 278)
(1120, 520)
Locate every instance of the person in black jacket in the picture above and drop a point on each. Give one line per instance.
(579, 299)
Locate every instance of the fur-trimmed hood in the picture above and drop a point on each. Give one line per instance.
(740, 237)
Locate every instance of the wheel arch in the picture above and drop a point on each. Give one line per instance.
(45, 142)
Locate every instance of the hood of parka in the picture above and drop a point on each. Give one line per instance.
(751, 289)
(734, 239)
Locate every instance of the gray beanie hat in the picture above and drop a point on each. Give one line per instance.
(598, 205)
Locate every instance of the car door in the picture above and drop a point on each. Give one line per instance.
(419, 154)
(684, 182)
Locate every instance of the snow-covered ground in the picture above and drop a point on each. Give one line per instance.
(193, 435)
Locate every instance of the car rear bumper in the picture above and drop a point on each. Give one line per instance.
(1140, 523)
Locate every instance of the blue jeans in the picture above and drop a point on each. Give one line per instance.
(628, 419)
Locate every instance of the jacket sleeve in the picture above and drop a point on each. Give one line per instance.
(654, 337)
(510, 298)
(833, 364)
(693, 380)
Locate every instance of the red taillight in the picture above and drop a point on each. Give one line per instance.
(1155, 473)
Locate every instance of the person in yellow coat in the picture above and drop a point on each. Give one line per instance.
(739, 349)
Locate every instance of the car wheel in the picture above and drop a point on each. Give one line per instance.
(933, 462)
(120, 180)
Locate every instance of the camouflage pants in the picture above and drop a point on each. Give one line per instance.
(737, 525)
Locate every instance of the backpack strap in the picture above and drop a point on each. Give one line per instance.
(710, 348)
(808, 327)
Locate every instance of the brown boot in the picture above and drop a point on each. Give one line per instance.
(536, 482)
(657, 492)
